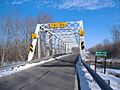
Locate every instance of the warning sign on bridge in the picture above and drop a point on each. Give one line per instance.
(82, 32)
(58, 25)
(34, 36)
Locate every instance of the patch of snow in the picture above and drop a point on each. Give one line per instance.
(108, 70)
(113, 71)
(9, 71)
(107, 60)
(17, 69)
(114, 81)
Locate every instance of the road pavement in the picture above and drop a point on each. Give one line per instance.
(54, 75)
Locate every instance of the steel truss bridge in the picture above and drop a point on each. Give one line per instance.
(57, 38)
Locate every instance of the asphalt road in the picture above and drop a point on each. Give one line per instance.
(55, 75)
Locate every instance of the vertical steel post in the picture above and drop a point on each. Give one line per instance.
(50, 45)
(105, 66)
(34, 42)
(54, 39)
(58, 46)
(55, 47)
(82, 50)
(62, 48)
(39, 45)
(47, 44)
(65, 48)
(95, 62)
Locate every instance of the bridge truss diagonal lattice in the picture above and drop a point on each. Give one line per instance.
(58, 39)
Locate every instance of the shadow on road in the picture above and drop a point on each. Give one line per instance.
(60, 63)
(57, 65)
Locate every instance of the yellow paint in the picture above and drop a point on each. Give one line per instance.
(57, 24)
(34, 36)
(31, 46)
(82, 32)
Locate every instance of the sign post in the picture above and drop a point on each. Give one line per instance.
(105, 66)
(103, 54)
(95, 62)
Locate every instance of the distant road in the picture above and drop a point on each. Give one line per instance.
(55, 75)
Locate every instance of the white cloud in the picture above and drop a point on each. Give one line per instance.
(86, 4)
(71, 4)
(18, 2)
(46, 3)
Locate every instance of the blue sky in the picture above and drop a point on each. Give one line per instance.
(98, 15)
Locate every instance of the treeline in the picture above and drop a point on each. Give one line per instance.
(15, 36)
(112, 46)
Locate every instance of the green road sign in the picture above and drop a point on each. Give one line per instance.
(101, 53)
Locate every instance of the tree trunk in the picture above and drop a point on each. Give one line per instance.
(3, 58)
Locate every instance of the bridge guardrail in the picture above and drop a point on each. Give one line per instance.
(102, 84)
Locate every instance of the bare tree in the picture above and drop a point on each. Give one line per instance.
(43, 18)
(6, 37)
(113, 48)
(28, 27)
(116, 40)
(116, 34)
(15, 36)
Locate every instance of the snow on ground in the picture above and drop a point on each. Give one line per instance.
(113, 71)
(114, 81)
(107, 60)
(102, 60)
(17, 69)
(108, 70)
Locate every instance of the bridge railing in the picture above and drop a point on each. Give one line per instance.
(102, 84)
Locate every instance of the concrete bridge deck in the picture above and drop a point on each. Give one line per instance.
(54, 75)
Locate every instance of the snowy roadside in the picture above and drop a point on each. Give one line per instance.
(17, 69)
(108, 70)
(114, 81)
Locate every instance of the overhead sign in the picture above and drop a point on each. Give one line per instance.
(34, 36)
(101, 53)
(58, 25)
(82, 32)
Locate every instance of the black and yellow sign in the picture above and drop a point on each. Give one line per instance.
(82, 32)
(34, 36)
(82, 45)
(31, 47)
(58, 25)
